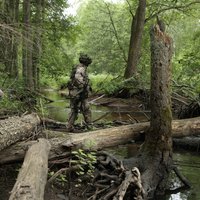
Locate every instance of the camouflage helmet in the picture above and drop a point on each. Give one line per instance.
(85, 59)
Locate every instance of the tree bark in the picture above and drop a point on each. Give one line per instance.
(156, 152)
(37, 20)
(27, 46)
(135, 39)
(60, 142)
(15, 129)
(32, 177)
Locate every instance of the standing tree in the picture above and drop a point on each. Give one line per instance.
(137, 27)
(27, 45)
(9, 35)
(37, 43)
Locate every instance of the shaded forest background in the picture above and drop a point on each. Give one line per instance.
(40, 42)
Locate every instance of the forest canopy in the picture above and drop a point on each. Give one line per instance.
(41, 41)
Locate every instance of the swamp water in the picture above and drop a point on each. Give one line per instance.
(187, 162)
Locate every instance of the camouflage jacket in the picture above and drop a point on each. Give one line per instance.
(79, 81)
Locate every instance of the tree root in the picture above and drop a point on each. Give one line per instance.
(181, 177)
(112, 181)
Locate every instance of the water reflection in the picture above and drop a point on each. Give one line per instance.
(187, 162)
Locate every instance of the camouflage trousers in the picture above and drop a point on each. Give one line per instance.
(78, 105)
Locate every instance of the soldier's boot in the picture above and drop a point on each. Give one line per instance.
(88, 119)
(71, 120)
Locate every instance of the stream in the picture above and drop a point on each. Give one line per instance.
(187, 162)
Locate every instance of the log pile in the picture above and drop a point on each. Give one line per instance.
(37, 154)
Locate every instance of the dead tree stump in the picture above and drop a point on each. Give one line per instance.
(156, 152)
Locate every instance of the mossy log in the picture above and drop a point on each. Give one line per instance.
(32, 177)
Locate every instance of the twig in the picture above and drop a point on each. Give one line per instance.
(101, 117)
(92, 101)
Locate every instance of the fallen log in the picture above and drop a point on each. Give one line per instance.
(32, 177)
(97, 139)
(15, 153)
(17, 128)
(124, 134)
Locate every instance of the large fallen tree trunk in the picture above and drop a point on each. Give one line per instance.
(123, 134)
(97, 139)
(32, 177)
(16, 128)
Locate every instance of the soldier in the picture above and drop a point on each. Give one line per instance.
(79, 88)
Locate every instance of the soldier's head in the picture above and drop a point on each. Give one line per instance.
(85, 59)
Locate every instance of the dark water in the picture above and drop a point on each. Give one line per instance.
(187, 162)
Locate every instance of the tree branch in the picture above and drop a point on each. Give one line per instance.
(174, 7)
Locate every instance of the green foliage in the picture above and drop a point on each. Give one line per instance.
(60, 179)
(60, 35)
(17, 97)
(86, 162)
(109, 84)
(55, 83)
(186, 64)
(101, 83)
(98, 37)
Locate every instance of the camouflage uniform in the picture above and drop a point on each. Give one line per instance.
(79, 88)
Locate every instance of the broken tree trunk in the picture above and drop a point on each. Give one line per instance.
(16, 128)
(155, 161)
(32, 177)
(97, 139)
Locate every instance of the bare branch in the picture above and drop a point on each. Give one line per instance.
(130, 9)
(174, 7)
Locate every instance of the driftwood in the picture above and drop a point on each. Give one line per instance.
(15, 129)
(97, 139)
(32, 177)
